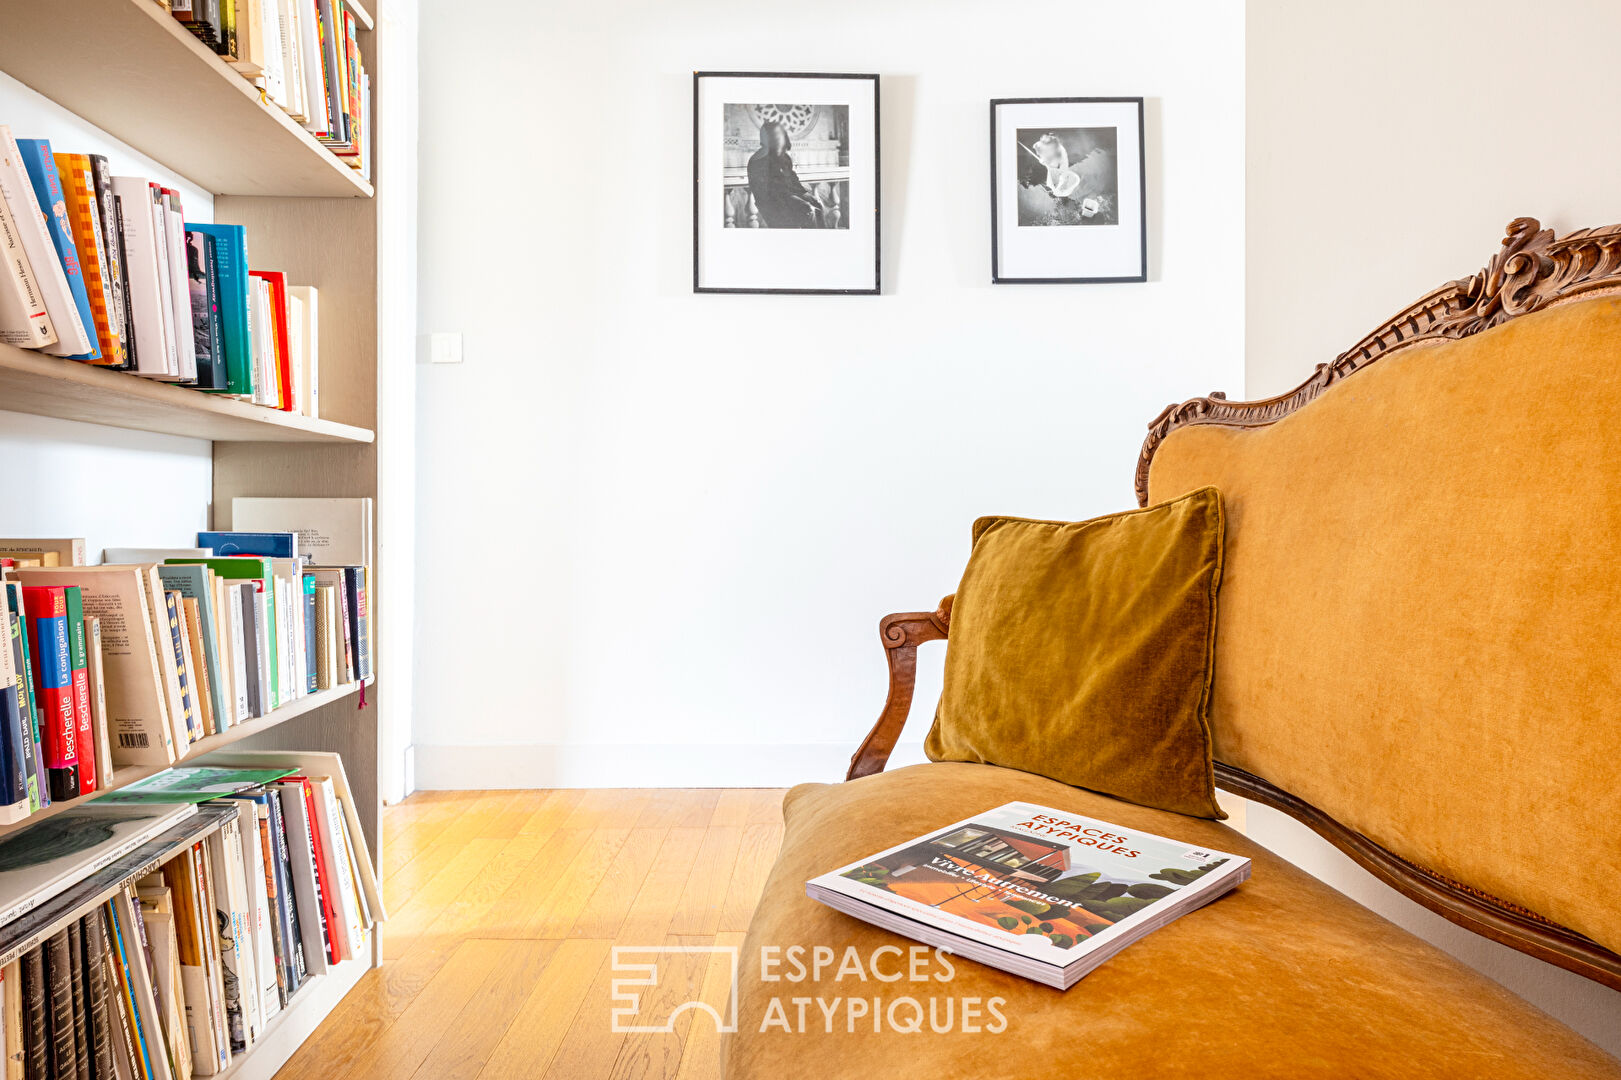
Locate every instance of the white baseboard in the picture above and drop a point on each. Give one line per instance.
(473, 768)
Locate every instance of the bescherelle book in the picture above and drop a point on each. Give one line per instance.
(1036, 892)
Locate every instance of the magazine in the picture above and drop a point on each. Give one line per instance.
(1037, 892)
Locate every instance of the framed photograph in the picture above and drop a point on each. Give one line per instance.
(784, 183)
(1068, 191)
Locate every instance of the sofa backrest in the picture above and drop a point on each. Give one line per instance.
(1419, 639)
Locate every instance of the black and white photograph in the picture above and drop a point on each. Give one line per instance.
(1068, 176)
(787, 166)
(1068, 191)
(785, 183)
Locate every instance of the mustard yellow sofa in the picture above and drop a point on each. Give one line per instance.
(1418, 655)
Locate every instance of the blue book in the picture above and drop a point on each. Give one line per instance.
(39, 790)
(47, 182)
(231, 268)
(265, 545)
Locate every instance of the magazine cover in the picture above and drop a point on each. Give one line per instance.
(1036, 882)
(192, 784)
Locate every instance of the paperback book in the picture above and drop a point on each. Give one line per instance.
(1036, 892)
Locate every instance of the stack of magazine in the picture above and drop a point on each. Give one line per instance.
(1033, 891)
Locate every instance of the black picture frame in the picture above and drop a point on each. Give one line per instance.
(997, 277)
(877, 194)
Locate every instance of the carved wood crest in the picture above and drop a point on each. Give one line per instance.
(1531, 270)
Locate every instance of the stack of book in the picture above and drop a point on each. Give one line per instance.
(303, 54)
(132, 662)
(157, 932)
(105, 269)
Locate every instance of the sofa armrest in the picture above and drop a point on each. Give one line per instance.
(901, 635)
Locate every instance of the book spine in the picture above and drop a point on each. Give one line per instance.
(53, 678)
(33, 758)
(355, 585)
(24, 320)
(59, 994)
(311, 636)
(12, 765)
(142, 293)
(84, 216)
(346, 622)
(79, 668)
(267, 861)
(326, 886)
(212, 950)
(174, 230)
(198, 272)
(178, 645)
(112, 234)
(292, 929)
(95, 981)
(166, 304)
(47, 183)
(81, 1030)
(36, 1014)
(124, 959)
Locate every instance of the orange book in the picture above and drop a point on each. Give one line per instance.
(79, 191)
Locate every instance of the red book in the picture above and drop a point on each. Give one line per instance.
(46, 608)
(278, 318)
(328, 908)
(79, 666)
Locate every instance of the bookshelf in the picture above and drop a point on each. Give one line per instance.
(128, 68)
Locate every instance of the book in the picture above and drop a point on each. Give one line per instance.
(294, 964)
(59, 1004)
(258, 571)
(68, 551)
(191, 618)
(112, 235)
(307, 897)
(47, 183)
(194, 584)
(78, 182)
(233, 919)
(138, 710)
(187, 729)
(326, 639)
(231, 272)
(79, 675)
(36, 1029)
(270, 545)
(98, 702)
(24, 320)
(98, 1016)
(17, 189)
(46, 612)
(307, 333)
(1037, 892)
(194, 783)
(331, 532)
(155, 354)
(81, 1029)
(203, 281)
(39, 792)
(175, 257)
(14, 768)
(307, 644)
(41, 861)
(261, 927)
(340, 868)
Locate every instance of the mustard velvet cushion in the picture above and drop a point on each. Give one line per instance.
(1083, 651)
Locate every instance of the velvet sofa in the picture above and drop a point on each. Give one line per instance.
(1418, 656)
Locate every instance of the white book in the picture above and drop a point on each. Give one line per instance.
(24, 320)
(309, 48)
(265, 376)
(309, 347)
(339, 868)
(153, 555)
(174, 223)
(160, 238)
(134, 197)
(48, 858)
(234, 920)
(264, 949)
(292, 71)
(275, 74)
(239, 653)
(18, 191)
(331, 532)
(1044, 894)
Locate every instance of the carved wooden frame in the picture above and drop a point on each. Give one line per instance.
(1533, 270)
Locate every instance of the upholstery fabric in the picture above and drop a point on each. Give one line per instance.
(1421, 613)
(1284, 977)
(1082, 651)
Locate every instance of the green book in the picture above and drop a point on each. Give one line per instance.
(194, 784)
(262, 574)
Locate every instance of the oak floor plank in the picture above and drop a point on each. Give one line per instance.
(506, 907)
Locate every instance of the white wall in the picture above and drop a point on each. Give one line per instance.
(67, 479)
(1388, 145)
(657, 530)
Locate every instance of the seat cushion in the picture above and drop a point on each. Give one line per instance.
(1284, 977)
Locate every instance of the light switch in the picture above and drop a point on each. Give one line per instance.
(444, 348)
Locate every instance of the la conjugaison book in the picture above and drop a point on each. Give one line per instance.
(1037, 892)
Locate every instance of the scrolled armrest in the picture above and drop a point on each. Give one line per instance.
(901, 635)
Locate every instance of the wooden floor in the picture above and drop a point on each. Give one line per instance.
(503, 908)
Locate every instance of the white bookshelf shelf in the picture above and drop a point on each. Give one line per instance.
(130, 774)
(128, 66)
(34, 382)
